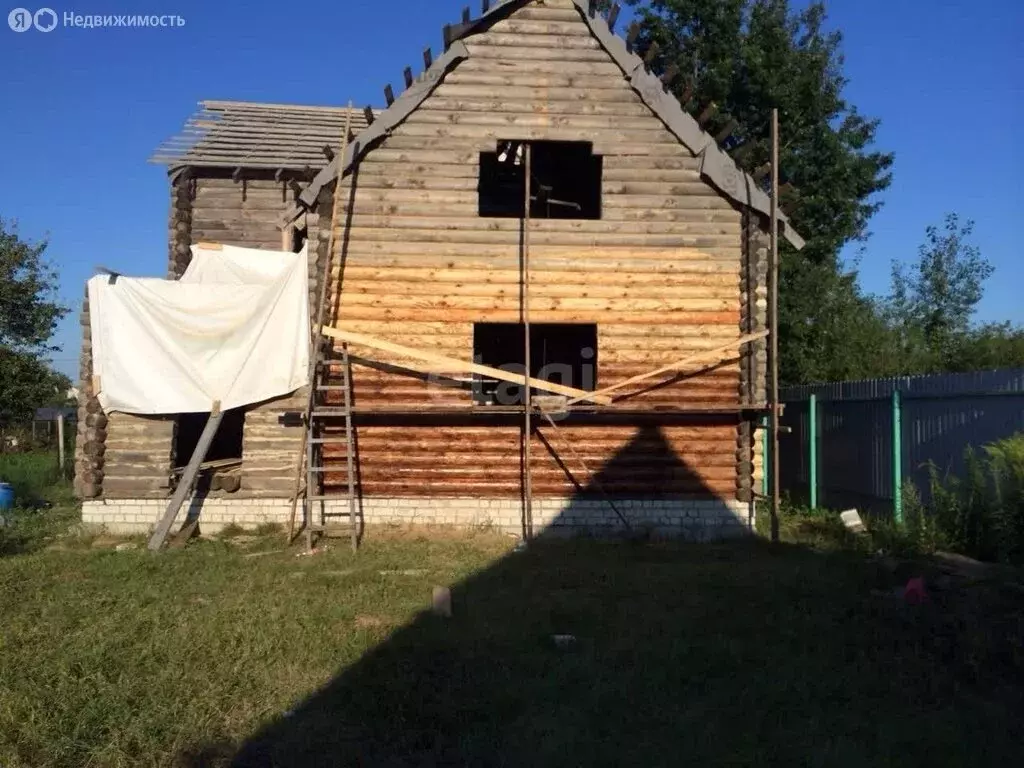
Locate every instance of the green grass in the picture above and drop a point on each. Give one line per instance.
(44, 505)
(741, 653)
(35, 477)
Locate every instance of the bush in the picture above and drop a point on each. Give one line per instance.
(982, 513)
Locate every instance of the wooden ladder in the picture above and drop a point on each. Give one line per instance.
(320, 506)
(321, 419)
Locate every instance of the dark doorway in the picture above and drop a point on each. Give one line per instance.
(227, 443)
(565, 183)
(565, 353)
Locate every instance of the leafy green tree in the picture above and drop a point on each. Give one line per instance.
(995, 345)
(29, 313)
(747, 56)
(934, 299)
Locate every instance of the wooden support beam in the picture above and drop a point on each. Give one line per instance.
(466, 15)
(428, 58)
(446, 34)
(368, 114)
(485, 6)
(188, 479)
(407, 75)
(389, 95)
(448, 365)
(236, 174)
(328, 152)
(613, 16)
(295, 187)
(702, 356)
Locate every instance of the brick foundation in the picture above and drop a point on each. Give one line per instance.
(697, 519)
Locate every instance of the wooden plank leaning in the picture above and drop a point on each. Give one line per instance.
(707, 354)
(441, 364)
(188, 479)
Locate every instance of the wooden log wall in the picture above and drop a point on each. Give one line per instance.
(247, 212)
(661, 273)
(136, 458)
(91, 434)
(754, 357)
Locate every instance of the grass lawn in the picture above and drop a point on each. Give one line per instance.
(236, 652)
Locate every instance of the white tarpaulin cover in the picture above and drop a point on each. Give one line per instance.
(234, 329)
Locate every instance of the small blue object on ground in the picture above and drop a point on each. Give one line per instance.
(6, 497)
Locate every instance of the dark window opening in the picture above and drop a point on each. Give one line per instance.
(564, 353)
(227, 443)
(565, 180)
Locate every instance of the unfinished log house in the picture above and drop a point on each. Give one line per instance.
(642, 244)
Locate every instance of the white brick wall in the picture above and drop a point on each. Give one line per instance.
(696, 519)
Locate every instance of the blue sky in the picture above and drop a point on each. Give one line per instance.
(84, 108)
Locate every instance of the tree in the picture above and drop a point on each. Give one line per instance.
(747, 56)
(29, 313)
(997, 345)
(933, 300)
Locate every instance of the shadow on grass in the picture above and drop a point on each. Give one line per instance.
(736, 652)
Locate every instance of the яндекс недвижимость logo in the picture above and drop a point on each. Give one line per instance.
(22, 20)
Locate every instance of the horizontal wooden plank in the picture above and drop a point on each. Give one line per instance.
(581, 288)
(480, 251)
(655, 336)
(588, 91)
(404, 314)
(472, 227)
(439, 279)
(519, 25)
(535, 116)
(725, 263)
(480, 48)
(450, 300)
(535, 38)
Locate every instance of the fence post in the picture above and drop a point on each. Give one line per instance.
(812, 448)
(897, 457)
(765, 450)
(60, 442)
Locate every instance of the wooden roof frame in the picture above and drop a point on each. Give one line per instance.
(716, 167)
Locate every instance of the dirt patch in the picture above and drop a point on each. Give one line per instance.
(366, 621)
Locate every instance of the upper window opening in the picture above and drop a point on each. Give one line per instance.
(565, 183)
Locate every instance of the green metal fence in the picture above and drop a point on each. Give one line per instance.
(857, 444)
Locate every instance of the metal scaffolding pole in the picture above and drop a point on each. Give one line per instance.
(773, 326)
(527, 400)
